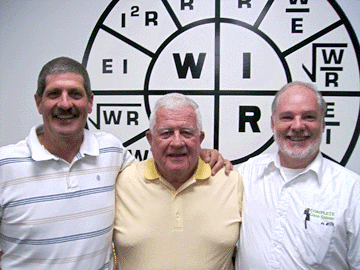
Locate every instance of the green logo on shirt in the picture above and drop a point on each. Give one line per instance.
(322, 214)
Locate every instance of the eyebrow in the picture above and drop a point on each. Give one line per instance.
(171, 128)
(291, 112)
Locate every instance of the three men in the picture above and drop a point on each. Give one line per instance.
(301, 210)
(170, 212)
(57, 185)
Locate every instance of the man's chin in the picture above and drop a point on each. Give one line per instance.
(297, 145)
(68, 132)
(178, 167)
(299, 153)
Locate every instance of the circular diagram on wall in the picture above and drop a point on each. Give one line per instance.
(230, 56)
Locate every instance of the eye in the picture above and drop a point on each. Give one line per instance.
(286, 118)
(53, 94)
(76, 94)
(188, 133)
(310, 117)
(165, 134)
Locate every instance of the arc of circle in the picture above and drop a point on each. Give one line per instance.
(96, 30)
(157, 54)
(356, 45)
(336, 7)
(216, 92)
(202, 22)
(255, 153)
(94, 34)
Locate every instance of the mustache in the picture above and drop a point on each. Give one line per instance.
(59, 111)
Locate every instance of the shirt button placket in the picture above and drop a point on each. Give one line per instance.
(177, 212)
(278, 233)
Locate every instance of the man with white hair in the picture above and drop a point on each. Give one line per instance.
(170, 212)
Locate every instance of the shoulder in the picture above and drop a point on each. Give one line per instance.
(110, 148)
(234, 178)
(134, 169)
(20, 149)
(108, 142)
(130, 176)
(233, 175)
(12, 157)
(105, 138)
(339, 173)
(255, 163)
(228, 183)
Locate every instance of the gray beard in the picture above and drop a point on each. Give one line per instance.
(298, 154)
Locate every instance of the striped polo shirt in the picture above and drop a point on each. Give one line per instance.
(56, 215)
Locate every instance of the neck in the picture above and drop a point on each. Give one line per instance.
(175, 184)
(177, 179)
(65, 148)
(296, 163)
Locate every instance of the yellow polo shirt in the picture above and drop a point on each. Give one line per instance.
(193, 227)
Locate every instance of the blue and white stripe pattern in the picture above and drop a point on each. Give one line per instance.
(56, 215)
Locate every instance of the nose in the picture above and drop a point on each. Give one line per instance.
(297, 124)
(177, 140)
(64, 101)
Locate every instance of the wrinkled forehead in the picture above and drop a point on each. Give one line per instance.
(70, 76)
(185, 116)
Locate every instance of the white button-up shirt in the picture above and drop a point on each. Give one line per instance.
(310, 221)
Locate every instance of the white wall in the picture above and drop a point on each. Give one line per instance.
(33, 32)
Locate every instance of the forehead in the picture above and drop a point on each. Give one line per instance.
(175, 118)
(298, 98)
(64, 79)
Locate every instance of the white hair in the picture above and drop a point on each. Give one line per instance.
(175, 101)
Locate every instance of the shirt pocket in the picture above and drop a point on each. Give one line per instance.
(314, 242)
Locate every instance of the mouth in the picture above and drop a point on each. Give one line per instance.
(65, 114)
(177, 155)
(297, 138)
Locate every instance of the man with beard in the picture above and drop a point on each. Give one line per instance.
(57, 186)
(301, 210)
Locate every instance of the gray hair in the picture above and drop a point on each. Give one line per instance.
(175, 101)
(320, 99)
(62, 65)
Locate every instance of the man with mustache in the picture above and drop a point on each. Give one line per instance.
(301, 210)
(57, 186)
(181, 217)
